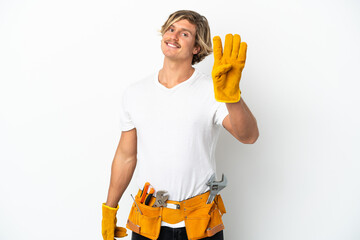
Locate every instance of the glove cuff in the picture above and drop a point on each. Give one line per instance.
(110, 208)
(222, 95)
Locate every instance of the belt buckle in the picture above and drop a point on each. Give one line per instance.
(173, 206)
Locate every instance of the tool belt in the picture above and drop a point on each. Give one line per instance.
(201, 220)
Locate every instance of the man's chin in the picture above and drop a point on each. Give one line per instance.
(170, 56)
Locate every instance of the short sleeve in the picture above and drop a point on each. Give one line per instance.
(125, 118)
(221, 113)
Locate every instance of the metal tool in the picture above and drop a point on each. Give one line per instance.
(215, 187)
(136, 204)
(161, 199)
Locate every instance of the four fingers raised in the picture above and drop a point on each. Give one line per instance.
(234, 48)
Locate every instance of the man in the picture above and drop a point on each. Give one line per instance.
(170, 125)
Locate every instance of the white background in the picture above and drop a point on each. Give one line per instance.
(63, 68)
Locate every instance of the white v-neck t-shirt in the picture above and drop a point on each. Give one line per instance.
(177, 131)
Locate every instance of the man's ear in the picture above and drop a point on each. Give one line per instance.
(196, 50)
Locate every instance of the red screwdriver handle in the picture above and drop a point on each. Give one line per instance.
(144, 192)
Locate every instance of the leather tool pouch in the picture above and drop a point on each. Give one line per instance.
(205, 220)
(216, 223)
(147, 223)
(196, 220)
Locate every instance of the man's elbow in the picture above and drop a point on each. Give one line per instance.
(253, 140)
(249, 139)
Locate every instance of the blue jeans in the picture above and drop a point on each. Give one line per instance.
(168, 233)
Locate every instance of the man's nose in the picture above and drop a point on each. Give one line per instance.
(174, 35)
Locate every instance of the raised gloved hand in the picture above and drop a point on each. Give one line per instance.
(226, 72)
(108, 225)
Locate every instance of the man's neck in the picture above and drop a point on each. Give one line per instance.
(174, 73)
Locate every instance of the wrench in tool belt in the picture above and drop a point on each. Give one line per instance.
(215, 187)
(161, 199)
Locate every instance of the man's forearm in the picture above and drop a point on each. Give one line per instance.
(121, 174)
(243, 121)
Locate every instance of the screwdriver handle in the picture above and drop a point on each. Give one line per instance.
(151, 193)
(144, 191)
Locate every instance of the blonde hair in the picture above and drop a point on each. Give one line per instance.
(202, 37)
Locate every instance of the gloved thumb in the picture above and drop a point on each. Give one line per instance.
(220, 70)
(120, 232)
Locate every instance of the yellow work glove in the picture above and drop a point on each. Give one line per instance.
(226, 72)
(108, 225)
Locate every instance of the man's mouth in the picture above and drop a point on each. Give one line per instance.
(173, 45)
